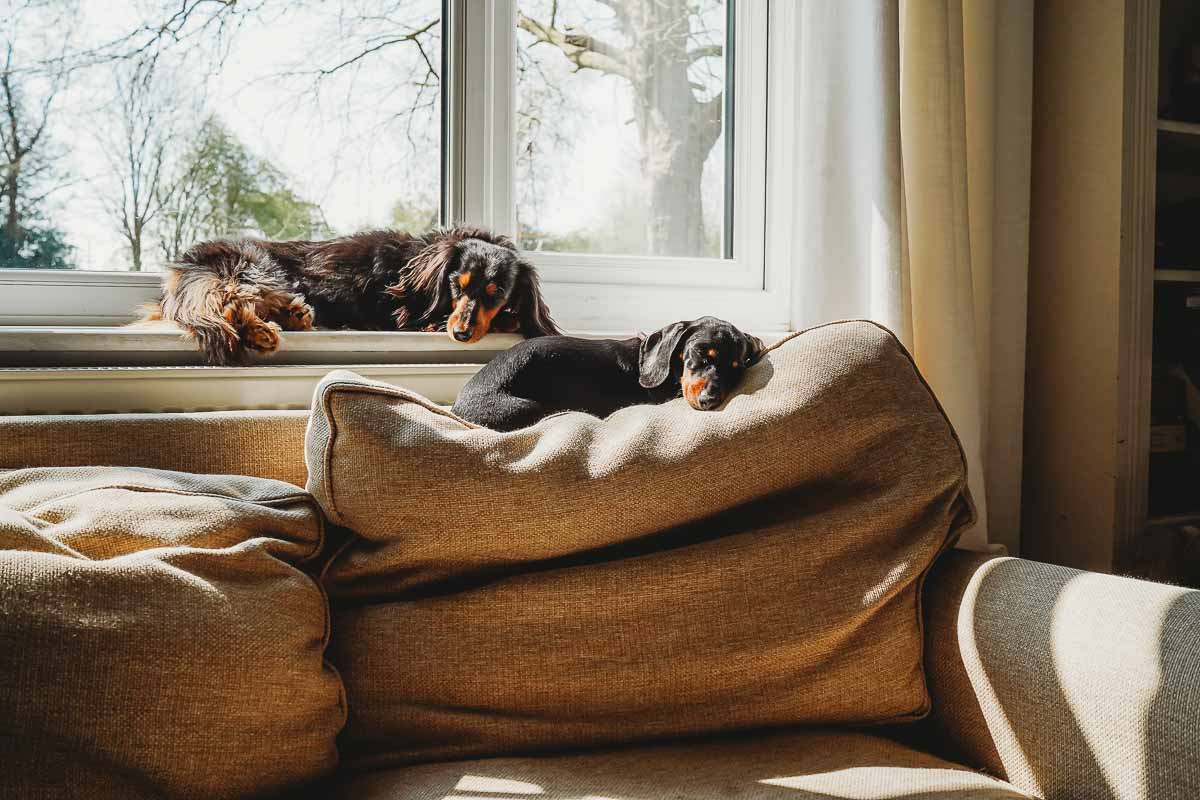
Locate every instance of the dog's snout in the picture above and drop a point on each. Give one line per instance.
(709, 398)
(463, 335)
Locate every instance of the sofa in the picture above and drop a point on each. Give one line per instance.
(1035, 680)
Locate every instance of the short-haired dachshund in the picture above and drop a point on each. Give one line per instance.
(703, 360)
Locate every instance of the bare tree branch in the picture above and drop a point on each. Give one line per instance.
(583, 50)
(705, 51)
(412, 36)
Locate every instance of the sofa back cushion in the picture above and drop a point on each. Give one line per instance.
(661, 572)
(158, 637)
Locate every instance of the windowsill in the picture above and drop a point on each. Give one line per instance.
(25, 347)
(61, 370)
(51, 370)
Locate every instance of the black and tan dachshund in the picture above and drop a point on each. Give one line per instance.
(702, 359)
(235, 295)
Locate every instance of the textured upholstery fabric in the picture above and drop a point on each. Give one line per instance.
(661, 572)
(265, 444)
(809, 765)
(157, 638)
(1069, 684)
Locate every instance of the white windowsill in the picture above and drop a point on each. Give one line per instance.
(48, 370)
(43, 346)
(110, 390)
(58, 370)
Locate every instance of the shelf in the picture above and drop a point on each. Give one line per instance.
(1177, 275)
(1186, 518)
(1174, 126)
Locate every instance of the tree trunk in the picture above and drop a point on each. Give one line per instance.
(135, 247)
(676, 130)
(673, 166)
(12, 221)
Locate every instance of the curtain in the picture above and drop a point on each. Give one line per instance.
(912, 151)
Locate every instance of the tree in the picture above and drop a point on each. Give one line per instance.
(415, 215)
(679, 119)
(40, 247)
(136, 145)
(26, 168)
(220, 189)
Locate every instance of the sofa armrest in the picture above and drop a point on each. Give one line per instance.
(1068, 684)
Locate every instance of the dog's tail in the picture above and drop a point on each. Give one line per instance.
(215, 293)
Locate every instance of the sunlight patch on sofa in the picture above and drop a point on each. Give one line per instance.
(889, 582)
(483, 783)
(872, 783)
(1093, 649)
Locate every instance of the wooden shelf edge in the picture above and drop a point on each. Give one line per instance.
(1175, 126)
(1177, 275)
(1175, 519)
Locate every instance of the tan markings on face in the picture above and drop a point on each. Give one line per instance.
(692, 387)
(712, 352)
(491, 289)
(734, 365)
(483, 322)
(464, 280)
(459, 320)
(455, 322)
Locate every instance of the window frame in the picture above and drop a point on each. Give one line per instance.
(585, 291)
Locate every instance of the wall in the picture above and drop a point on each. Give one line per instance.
(1075, 258)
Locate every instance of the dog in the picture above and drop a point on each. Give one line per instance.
(234, 296)
(703, 360)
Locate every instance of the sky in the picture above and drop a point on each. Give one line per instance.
(343, 140)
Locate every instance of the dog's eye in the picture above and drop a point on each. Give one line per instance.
(712, 352)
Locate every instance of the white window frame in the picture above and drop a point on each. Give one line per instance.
(616, 292)
(585, 292)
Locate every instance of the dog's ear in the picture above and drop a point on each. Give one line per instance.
(754, 349)
(656, 352)
(528, 305)
(426, 275)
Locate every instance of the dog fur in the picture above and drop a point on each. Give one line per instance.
(236, 295)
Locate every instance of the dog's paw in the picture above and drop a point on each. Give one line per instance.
(436, 327)
(262, 336)
(298, 316)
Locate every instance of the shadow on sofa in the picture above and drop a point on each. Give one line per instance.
(1067, 683)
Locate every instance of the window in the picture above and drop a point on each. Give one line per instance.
(141, 128)
(621, 127)
(622, 142)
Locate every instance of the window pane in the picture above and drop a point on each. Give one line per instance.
(145, 127)
(621, 126)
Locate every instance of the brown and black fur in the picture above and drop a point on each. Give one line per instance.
(236, 295)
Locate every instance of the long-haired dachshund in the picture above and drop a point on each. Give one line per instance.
(702, 359)
(235, 295)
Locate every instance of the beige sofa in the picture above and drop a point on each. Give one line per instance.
(1046, 681)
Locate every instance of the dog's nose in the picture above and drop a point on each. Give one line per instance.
(462, 336)
(709, 399)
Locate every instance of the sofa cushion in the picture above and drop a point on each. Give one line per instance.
(158, 638)
(660, 572)
(812, 765)
(269, 444)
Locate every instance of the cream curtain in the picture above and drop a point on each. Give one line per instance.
(912, 136)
